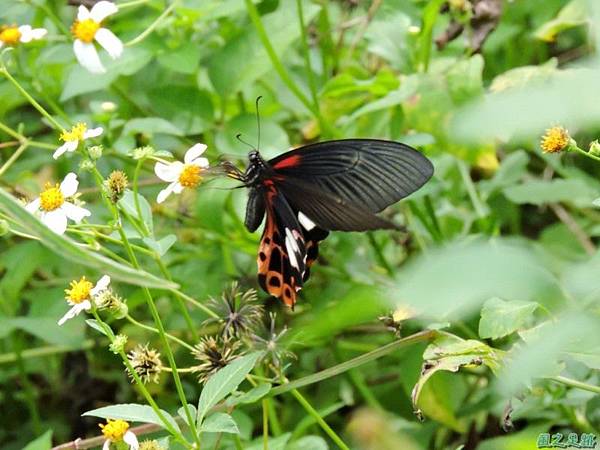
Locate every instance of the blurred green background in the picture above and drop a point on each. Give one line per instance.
(500, 256)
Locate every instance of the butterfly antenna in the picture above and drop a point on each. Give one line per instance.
(239, 138)
(258, 121)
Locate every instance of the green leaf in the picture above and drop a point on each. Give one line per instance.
(465, 79)
(521, 76)
(500, 318)
(68, 249)
(223, 382)
(44, 442)
(308, 443)
(132, 412)
(238, 50)
(93, 323)
(252, 396)
(188, 108)
(220, 423)
(574, 14)
(466, 274)
(151, 126)
(539, 192)
(184, 59)
(162, 246)
(127, 204)
(450, 353)
(275, 443)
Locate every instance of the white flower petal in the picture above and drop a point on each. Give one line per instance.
(130, 438)
(33, 206)
(162, 195)
(168, 172)
(1, 44)
(177, 187)
(93, 132)
(87, 55)
(83, 13)
(106, 445)
(101, 285)
(69, 146)
(29, 34)
(200, 162)
(102, 10)
(194, 152)
(109, 42)
(69, 185)
(55, 220)
(74, 212)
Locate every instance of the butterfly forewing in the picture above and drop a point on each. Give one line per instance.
(369, 173)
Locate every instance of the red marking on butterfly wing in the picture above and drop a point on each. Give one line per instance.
(285, 163)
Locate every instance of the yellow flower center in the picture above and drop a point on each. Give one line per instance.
(555, 140)
(190, 176)
(10, 35)
(51, 197)
(85, 30)
(80, 290)
(76, 133)
(114, 430)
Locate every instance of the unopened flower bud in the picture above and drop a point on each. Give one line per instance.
(96, 151)
(595, 148)
(86, 165)
(118, 344)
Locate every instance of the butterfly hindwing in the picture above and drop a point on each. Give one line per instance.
(282, 253)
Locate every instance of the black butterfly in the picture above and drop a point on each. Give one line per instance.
(306, 192)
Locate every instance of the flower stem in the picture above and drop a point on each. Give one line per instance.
(18, 152)
(583, 152)
(154, 330)
(30, 99)
(280, 69)
(265, 417)
(144, 34)
(576, 384)
(138, 382)
(354, 362)
(324, 425)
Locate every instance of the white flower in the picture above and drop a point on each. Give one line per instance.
(181, 174)
(54, 209)
(24, 34)
(81, 294)
(78, 133)
(87, 28)
(117, 431)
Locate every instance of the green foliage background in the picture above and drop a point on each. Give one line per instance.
(500, 258)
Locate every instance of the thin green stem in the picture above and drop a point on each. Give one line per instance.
(379, 254)
(144, 34)
(280, 69)
(154, 330)
(576, 384)
(324, 425)
(306, 53)
(138, 382)
(265, 417)
(38, 352)
(30, 99)
(480, 208)
(583, 152)
(9, 162)
(136, 200)
(195, 302)
(12, 133)
(354, 362)
(28, 386)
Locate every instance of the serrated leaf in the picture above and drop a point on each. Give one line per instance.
(132, 412)
(162, 246)
(68, 249)
(223, 382)
(500, 318)
(253, 395)
(219, 423)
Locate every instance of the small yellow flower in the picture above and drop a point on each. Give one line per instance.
(81, 294)
(51, 197)
(72, 138)
(182, 175)
(118, 431)
(80, 290)
(12, 35)
(555, 140)
(85, 30)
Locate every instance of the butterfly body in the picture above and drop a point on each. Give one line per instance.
(306, 192)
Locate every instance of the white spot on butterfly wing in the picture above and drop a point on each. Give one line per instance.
(292, 248)
(305, 221)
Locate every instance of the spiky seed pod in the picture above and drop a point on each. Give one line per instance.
(213, 354)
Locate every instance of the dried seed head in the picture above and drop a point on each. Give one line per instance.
(213, 354)
(272, 344)
(239, 313)
(116, 183)
(146, 363)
